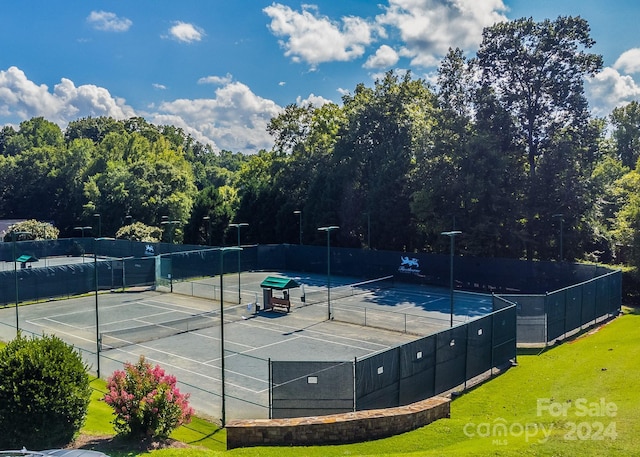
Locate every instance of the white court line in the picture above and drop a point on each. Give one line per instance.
(36, 323)
(332, 336)
(196, 373)
(72, 335)
(210, 362)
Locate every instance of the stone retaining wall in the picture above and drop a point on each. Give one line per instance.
(336, 428)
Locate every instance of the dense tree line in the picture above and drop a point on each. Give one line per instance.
(502, 147)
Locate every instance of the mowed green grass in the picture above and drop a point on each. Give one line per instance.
(501, 417)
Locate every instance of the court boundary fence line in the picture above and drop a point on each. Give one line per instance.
(454, 358)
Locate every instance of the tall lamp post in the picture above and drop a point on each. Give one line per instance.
(207, 219)
(171, 225)
(95, 282)
(241, 224)
(561, 217)
(99, 216)
(14, 237)
(82, 230)
(328, 229)
(452, 234)
(299, 213)
(222, 252)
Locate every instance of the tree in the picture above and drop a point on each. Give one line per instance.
(291, 128)
(34, 230)
(44, 393)
(146, 401)
(131, 175)
(140, 232)
(212, 212)
(92, 128)
(37, 132)
(626, 133)
(374, 158)
(536, 71)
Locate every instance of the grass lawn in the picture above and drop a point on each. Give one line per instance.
(577, 399)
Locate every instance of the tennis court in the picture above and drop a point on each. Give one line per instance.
(182, 332)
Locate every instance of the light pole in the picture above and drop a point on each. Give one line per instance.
(99, 223)
(14, 236)
(207, 219)
(241, 224)
(561, 217)
(328, 229)
(171, 225)
(95, 282)
(299, 213)
(82, 229)
(452, 235)
(222, 252)
(369, 230)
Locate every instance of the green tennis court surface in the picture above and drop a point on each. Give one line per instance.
(181, 332)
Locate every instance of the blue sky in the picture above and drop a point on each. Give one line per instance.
(220, 69)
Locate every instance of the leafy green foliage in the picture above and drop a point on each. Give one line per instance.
(140, 232)
(146, 401)
(32, 230)
(500, 145)
(44, 393)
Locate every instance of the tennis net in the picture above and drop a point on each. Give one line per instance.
(119, 338)
(348, 290)
(136, 335)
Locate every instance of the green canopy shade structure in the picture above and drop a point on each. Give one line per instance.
(272, 283)
(24, 258)
(278, 283)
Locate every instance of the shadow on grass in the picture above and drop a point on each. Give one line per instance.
(626, 310)
(210, 436)
(119, 446)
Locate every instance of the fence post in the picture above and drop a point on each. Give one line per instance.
(546, 319)
(355, 398)
(493, 318)
(270, 387)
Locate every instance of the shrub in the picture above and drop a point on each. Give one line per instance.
(146, 401)
(44, 393)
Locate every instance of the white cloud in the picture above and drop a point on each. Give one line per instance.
(108, 22)
(314, 100)
(384, 57)
(235, 119)
(629, 61)
(216, 80)
(314, 39)
(159, 86)
(610, 89)
(185, 32)
(23, 99)
(430, 27)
